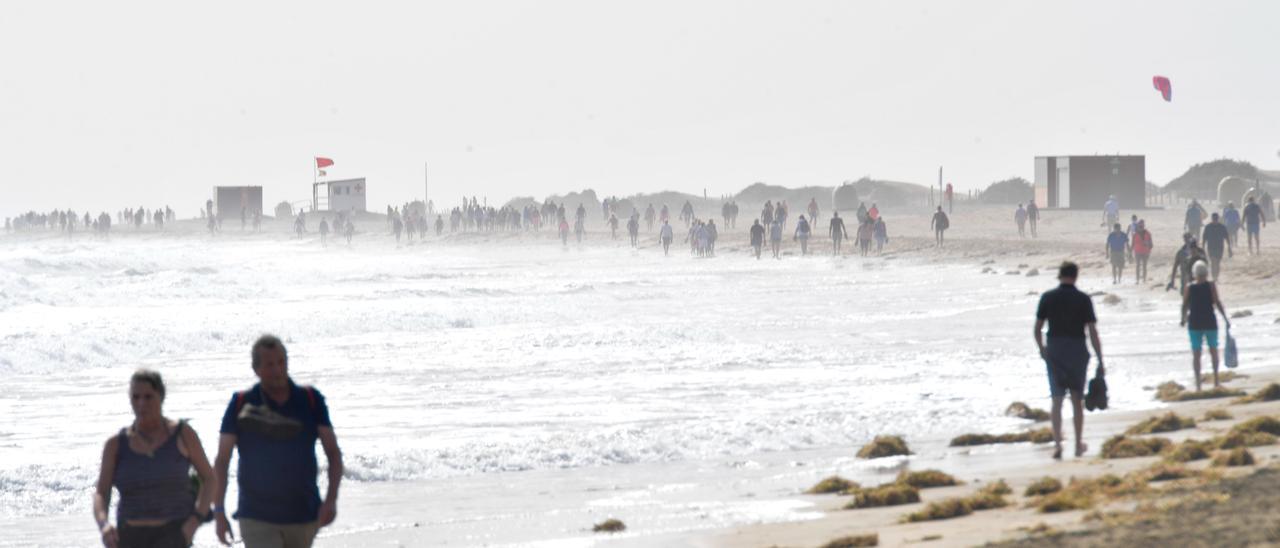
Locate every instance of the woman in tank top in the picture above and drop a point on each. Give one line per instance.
(1198, 302)
(149, 463)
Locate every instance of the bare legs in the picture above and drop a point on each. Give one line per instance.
(1077, 409)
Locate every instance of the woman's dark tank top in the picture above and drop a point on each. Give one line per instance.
(156, 487)
(1200, 307)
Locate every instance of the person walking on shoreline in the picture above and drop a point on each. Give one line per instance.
(1116, 246)
(802, 235)
(757, 237)
(1142, 246)
(1020, 219)
(275, 426)
(1069, 313)
(1254, 220)
(837, 232)
(939, 224)
(1231, 219)
(1033, 216)
(149, 462)
(1216, 239)
(666, 235)
(1198, 302)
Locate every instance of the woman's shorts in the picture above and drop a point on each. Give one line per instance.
(1199, 336)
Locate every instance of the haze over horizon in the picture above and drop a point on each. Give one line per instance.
(150, 103)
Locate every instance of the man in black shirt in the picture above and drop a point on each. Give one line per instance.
(1069, 313)
(1216, 239)
(757, 237)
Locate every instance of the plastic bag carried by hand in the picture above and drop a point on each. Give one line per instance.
(1229, 356)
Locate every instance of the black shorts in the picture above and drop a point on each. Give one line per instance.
(1067, 362)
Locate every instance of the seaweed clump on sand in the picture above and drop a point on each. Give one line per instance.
(1270, 392)
(833, 484)
(1217, 415)
(854, 541)
(1043, 486)
(942, 509)
(1083, 494)
(1024, 411)
(1174, 392)
(1167, 422)
(1190, 450)
(890, 494)
(609, 526)
(925, 479)
(1235, 457)
(1244, 439)
(1167, 472)
(1267, 424)
(1041, 435)
(884, 446)
(987, 498)
(1121, 447)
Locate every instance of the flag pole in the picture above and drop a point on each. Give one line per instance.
(315, 193)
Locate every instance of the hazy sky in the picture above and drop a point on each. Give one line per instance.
(113, 104)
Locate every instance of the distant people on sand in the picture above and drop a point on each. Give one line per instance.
(1020, 219)
(397, 226)
(1111, 211)
(837, 232)
(649, 214)
(1194, 218)
(1186, 256)
(613, 226)
(881, 234)
(349, 230)
(579, 227)
(1254, 220)
(803, 230)
(275, 426)
(1141, 245)
(633, 229)
(324, 232)
(1198, 303)
(564, 231)
(1069, 314)
(757, 237)
(439, 224)
(939, 224)
(1117, 245)
(1231, 220)
(665, 234)
(865, 232)
(813, 209)
(710, 234)
(1033, 217)
(862, 213)
(149, 464)
(1216, 240)
(686, 213)
(775, 238)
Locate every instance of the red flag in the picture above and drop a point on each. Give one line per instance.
(323, 162)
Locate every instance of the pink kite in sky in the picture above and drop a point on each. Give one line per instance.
(1162, 84)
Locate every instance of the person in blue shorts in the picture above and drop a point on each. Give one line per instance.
(1069, 313)
(1198, 302)
(275, 426)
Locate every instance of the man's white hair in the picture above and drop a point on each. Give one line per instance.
(1201, 270)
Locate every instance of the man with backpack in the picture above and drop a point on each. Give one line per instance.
(275, 426)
